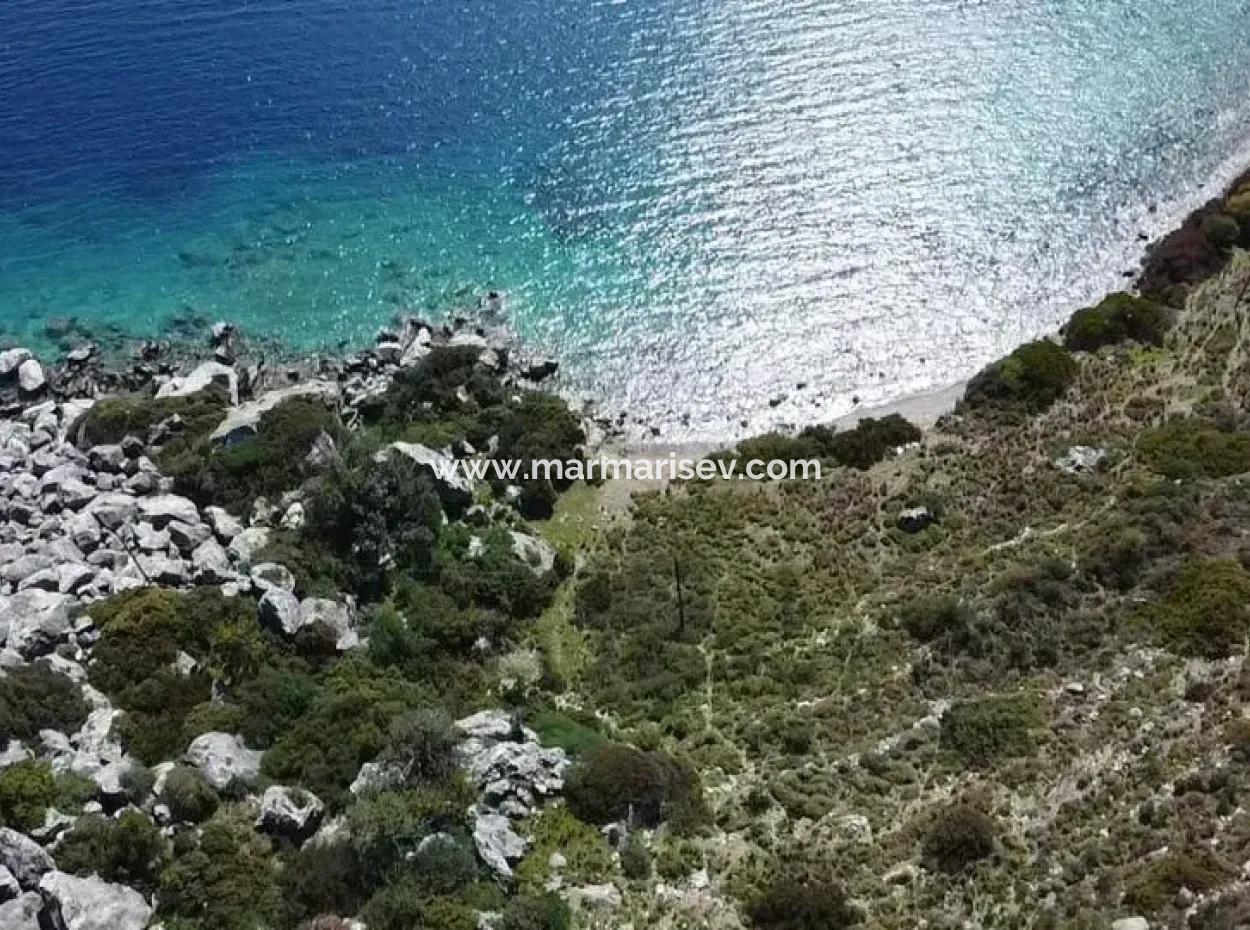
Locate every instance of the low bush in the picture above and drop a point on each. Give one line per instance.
(324, 877)
(388, 827)
(222, 878)
(112, 419)
(587, 855)
(1190, 448)
(405, 904)
(129, 850)
(982, 732)
(27, 790)
(1156, 886)
(945, 622)
(379, 518)
(267, 464)
(33, 698)
(618, 782)
(871, 441)
(574, 736)
(1031, 378)
(423, 742)
(802, 904)
(1118, 318)
(1206, 611)
(636, 861)
(536, 912)
(188, 796)
(959, 836)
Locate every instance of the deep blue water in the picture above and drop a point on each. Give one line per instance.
(699, 204)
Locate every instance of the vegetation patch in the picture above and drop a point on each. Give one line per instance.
(1117, 318)
(1031, 378)
(983, 732)
(1206, 611)
(33, 698)
(1191, 448)
(617, 782)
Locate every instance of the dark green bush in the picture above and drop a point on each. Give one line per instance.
(497, 579)
(944, 621)
(871, 441)
(1189, 448)
(424, 743)
(802, 904)
(536, 912)
(223, 878)
(33, 698)
(27, 790)
(1221, 230)
(379, 518)
(617, 782)
(141, 633)
(264, 465)
(112, 419)
(1118, 318)
(129, 850)
(188, 796)
(1156, 886)
(406, 904)
(959, 836)
(1206, 611)
(985, 731)
(1031, 378)
(324, 877)
(636, 861)
(387, 828)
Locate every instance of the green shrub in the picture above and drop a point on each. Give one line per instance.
(264, 465)
(129, 850)
(1221, 230)
(387, 828)
(1188, 448)
(985, 731)
(871, 441)
(636, 861)
(188, 796)
(1206, 611)
(1118, 318)
(942, 620)
(27, 790)
(424, 743)
(1156, 886)
(536, 912)
(325, 877)
(112, 419)
(1031, 378)
(379, 518)
(558, 729)
(802, 904)
(587, 856)
(959, 836)
(33, 698)
(497, 579)
(618, 782)
(406, 904)
(141, 633)
(223, 878)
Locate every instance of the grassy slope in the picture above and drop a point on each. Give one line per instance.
(785, 675)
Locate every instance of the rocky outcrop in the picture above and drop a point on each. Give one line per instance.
(223, 759)
(73, 903)
(24, 858)
(241, 422)
(290, 813)
(454, 489)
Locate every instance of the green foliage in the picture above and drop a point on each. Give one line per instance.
(27, 790)
(1221, 230)
(1031, 378)
(189, 797)
(129, 850)
(802, 904)
(1156, 886)
(497, 579)
(985, 731)
(536, 912)
(1206, 611)
(943, 620)
(423, 742)
(1189, 448)
(558, 729)
(324, 877)
(387, 828)
(541, 426)
(588, 859)
(636, 861)
(406, 904)
(1118, 318)
(959, 836)
(264, 465)
(345, 725)
(618, 782)
(225, 878)
(142, 632)
(112, 419)
(33, 698)
(871, 441)
(378, 518)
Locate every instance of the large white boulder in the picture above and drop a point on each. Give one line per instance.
(74, 903)
(223, 759)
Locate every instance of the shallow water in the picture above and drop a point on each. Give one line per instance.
(699, 205)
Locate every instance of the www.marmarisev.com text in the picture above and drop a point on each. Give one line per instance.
(618, 469)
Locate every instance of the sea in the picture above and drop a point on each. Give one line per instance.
(720, 215)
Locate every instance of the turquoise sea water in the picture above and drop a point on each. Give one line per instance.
(699, 205)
